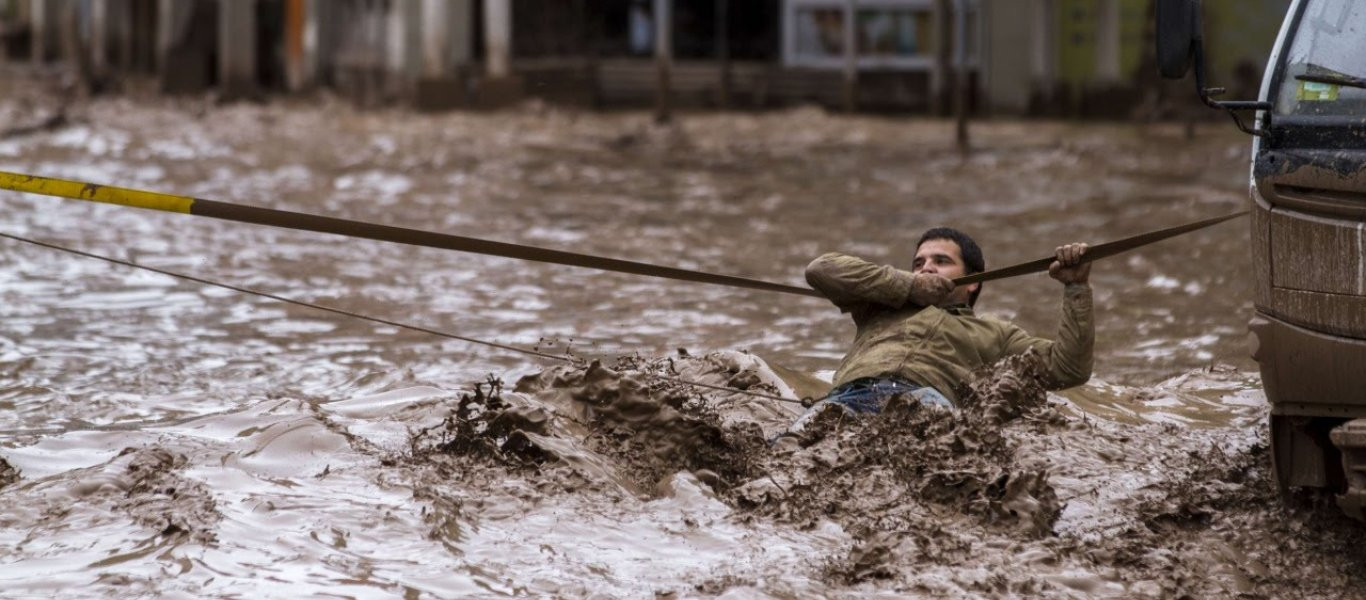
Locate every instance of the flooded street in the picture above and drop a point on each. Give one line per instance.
(176, 439)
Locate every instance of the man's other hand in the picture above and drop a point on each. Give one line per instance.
(929, 289)
(1068, 267)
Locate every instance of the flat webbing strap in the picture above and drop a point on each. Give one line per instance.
(1097, 252)
(77, 190)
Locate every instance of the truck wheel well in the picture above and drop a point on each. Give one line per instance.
(1302, 455)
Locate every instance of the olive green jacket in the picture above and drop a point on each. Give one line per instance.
(940, 347)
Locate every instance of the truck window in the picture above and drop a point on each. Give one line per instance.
(1325, 70)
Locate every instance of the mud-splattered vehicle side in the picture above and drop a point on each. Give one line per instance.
(1308, 191)
(1308, 235)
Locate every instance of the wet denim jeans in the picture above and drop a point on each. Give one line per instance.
(867, 397)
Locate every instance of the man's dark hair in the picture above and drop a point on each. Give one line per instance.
(967, 247)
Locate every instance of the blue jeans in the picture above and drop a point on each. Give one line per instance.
(867, 396)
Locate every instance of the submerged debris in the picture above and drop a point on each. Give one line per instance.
(159, 498)
(8, 474)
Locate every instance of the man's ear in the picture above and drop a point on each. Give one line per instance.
(973, 287)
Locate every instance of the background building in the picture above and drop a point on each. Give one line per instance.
(1064, 57)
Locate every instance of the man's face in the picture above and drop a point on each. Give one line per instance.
(943, 257)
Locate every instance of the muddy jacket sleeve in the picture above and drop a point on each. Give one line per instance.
(852, 282)
(1069, 357)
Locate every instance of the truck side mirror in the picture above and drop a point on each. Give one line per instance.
(1178, 28)
(1180, 45)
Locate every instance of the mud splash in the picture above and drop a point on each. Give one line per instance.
(616, 425)
(990, 499)
(630, 485)
(149, 489)
(143, 485)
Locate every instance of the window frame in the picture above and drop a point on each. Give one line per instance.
(924, 62)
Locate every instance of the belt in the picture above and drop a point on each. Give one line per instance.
(867, 382)
(889, 385)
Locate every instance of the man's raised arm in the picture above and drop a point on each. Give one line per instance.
(1069, 359)
(850, 281)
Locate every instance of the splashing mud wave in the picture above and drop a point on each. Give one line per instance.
(606, 479)
(1002, 497)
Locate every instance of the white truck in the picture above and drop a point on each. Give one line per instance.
(1308, 196)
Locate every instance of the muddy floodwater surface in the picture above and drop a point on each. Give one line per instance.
(166, 438)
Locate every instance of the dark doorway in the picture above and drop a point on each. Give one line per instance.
(191, 61)
(623, 28)
(270, 44)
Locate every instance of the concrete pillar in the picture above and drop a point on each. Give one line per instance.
(21, 15)
(320, 31)
(394, 38)
(403, 49)
(296, 27)
(664, 46)
(498, 37)
(1045, 32)
(185, 47)
(314, 15)
(99, 35)
(943, 58)
(237, 48)
(499, 86)
(437, 86)
(723, 52)
(436, 38)
(23, 9)
(39, 23)
(461, 28)
(960, 75)
(165, 30)
(1107, 41)
(1006, 57)
(121, 34)
(851, 55)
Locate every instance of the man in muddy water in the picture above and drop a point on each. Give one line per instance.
(917, 334)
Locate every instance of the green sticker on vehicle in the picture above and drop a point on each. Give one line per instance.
(1313, 90)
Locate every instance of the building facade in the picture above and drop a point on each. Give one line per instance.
(1012, 56)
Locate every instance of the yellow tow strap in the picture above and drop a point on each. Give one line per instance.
(48, 186)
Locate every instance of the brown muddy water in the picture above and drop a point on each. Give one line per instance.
(170, 439)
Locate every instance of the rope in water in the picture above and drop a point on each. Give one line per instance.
(355, 315)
